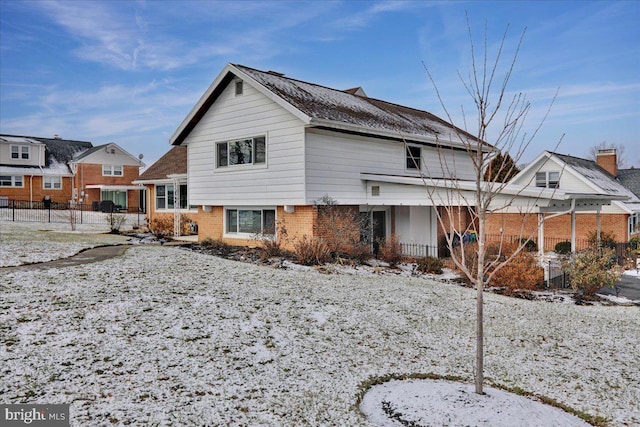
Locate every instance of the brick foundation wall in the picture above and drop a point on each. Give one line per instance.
(299, 223)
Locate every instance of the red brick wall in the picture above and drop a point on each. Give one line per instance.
(91, 174)
(559, 228)
(299, 223)
(33, 191)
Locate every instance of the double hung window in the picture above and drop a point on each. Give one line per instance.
(20, 152)
(11, 181)
(548, 179)
(250, 151)
(112, 170)
(251, 221)
(413, 157)
(52, 182)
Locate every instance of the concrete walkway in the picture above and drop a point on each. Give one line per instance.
(87, 256)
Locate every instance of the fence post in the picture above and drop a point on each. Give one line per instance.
(13, 212)
(49, 213)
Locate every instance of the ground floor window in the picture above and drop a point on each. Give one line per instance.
(164, 197)
(11, 181)
(119, 198)
(52, 182)
(251, 221)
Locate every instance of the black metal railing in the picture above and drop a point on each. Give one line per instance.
(56, 212)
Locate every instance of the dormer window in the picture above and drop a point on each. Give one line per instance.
(239, 88)
(20, 152)
(548, 179)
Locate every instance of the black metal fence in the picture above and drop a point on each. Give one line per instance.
(76, 213)
(418, 250)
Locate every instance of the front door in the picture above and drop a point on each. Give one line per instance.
(379, 223)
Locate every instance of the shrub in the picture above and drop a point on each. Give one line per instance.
(429, 265)
(341, 228)
(311, 251)
(161, 226)
(115, 221)
(607, 240)
(634, 243)
(217, 245)
(391, 250)
(562, 247)
(593, 269)
(272, 245)
(520, 272)
(529, 245)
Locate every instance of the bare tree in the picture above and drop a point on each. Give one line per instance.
(604, 145)
(465, 206)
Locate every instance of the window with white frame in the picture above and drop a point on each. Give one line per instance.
(165, 196)
(52, 182)
(250, 151)
(414, 153)
(20, 152)
(634, 223)
(251, 221)
(239, 87)
(112, 170)
(11, 181)
(548, 179)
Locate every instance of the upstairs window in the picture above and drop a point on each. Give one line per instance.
(239, 88)
(413, 157)
(548, 179)
(20, 152)
(112, 170)
(52, 182)
(249, 151)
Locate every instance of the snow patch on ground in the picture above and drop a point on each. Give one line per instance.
(445, 403)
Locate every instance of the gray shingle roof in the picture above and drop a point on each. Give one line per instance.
(598, 176)
(630, 178)
(345, 106)
(58, 150)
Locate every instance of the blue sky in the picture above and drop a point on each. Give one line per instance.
(129, 72)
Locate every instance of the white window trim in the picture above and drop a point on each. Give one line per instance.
(188, 209)
(246, 236)
(49, 177)
(245, 166)
(546, 179)
(112, 170)
(13, 182)
(21, 149)
(418, 160)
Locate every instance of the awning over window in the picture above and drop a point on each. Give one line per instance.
(115, 187)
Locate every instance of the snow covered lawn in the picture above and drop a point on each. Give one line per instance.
(28, 242)
(167, 336)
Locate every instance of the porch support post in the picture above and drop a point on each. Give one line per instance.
(573, 226)
(598, 227)
(176, 208)
(540, 234)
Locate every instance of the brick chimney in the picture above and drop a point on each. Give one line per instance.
(607, 159)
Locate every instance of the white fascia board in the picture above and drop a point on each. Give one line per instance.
(535, 164)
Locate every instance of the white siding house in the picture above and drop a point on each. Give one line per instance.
(263, 146)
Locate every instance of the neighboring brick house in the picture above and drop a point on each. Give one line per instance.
(167, 192)
(34, 168)
(106, 172)
(578, 176)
